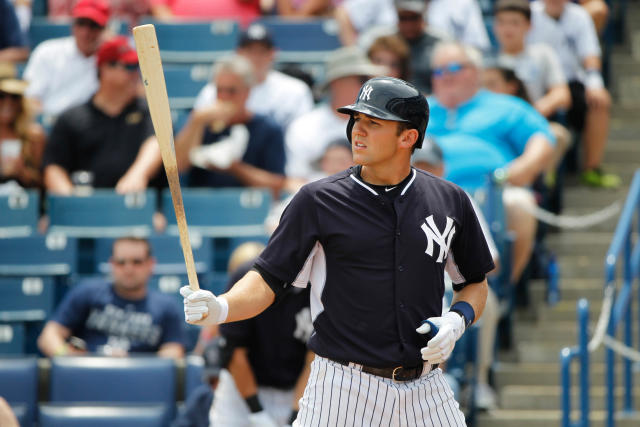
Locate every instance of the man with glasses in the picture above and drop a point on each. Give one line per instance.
(62, 72)
(109, 136)
(117, 317)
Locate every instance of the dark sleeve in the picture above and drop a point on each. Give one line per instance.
(172, 321)
(59, 147)
(238, 334)
(292, 241)
(12, 35)
(273, 156)
(74, 308)
(471, 259)
(196, 408)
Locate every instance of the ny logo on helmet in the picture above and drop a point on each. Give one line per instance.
(442, 239)
(366, 93)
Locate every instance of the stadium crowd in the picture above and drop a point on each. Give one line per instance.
(517, 100)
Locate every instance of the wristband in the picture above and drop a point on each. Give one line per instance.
(224, 309)
(465, 310)
(594, 79)
(253, 403)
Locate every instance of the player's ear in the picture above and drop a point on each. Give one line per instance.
(408, 138)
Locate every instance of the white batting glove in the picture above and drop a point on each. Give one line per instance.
(450, 328)
(203, 308)
(262, 419)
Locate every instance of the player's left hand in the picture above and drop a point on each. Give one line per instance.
(262, 419)
(450, 329)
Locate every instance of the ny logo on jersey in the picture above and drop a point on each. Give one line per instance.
(366, 93)
(304, 325)
(442, 239)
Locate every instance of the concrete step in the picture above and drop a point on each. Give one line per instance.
(592, 198)
(542, 397)
(542, 352)
(579, 266)
(529, 418)
(623, 152)
(592, 243)
(547, 374)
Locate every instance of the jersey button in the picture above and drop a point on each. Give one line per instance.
(400, 268)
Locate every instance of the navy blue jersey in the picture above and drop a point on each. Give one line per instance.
(276, 339)
(376, 264)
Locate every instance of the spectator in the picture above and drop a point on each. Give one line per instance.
(13, 45)
(308, 136)
(420, 38)
(304, 8)
(21, 139)
(110, 136)
(198, 403)
(170, 10)
(265, 360)
(117, 317)
(598, 11)
(483, 133)
(355, 17)
(128, 10)
(226, 145)
(568, 29)
(391, 51)
(430, 159)
(460, 20)
(274, 94)
(62, 72)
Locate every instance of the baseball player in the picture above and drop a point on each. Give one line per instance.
(374, 242)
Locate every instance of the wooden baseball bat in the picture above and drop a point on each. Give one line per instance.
(156, 92)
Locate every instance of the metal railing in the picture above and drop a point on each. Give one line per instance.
(621, 255)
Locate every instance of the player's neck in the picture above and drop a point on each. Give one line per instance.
(385, 175)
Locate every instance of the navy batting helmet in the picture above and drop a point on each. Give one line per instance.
(388, 98)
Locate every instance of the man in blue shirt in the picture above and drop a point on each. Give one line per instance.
(117, 317)
(483, 134)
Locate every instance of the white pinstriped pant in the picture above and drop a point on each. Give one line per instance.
(338, 395)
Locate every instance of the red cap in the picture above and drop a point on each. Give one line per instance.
(117, 49)
(96, 10)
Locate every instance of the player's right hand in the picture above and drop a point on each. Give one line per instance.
(262, 419)
(202, 307)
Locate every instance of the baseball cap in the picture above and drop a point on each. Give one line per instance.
(417, 6)
(212, 359)
(117, 49)
(256, 33)
(96, 10)
(350, 61)
(430, 153)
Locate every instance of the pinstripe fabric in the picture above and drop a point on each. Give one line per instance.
(338, 395)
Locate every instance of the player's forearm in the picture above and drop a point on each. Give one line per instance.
(242, 373)
(557, 98)
(249, 297)
(475, 294)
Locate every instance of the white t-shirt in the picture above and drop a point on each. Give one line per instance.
(308, 137)
(365, 14)
(538, 67)
(573, 36)
(459, 19)
(281, 97)
(60, 76)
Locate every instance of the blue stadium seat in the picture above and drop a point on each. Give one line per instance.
(193, 374)
(303, 41)
(184, 82)
(104, 213)
(196, 42)
(42, 29)
(225, 212)
(12, 340)
(167, 252)
(133, 380)
(19, 213)
(66, 415)
(50, 255)
(26, 298)
(19, 386)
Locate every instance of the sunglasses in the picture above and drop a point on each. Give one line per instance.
(134, 261)
(12, 96)
(86, 22)
(128, 67)
(451, 68)
(409, 17)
